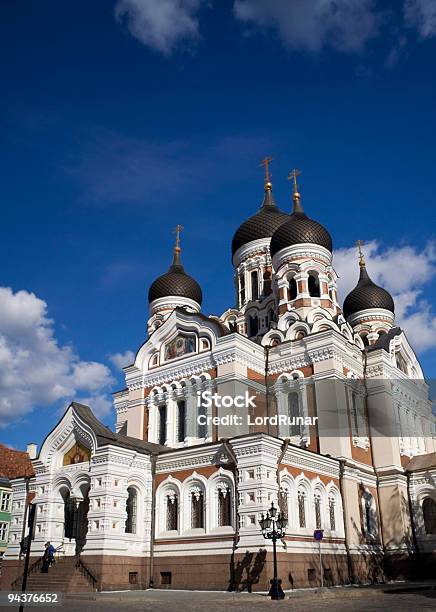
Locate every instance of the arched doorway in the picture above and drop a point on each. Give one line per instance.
(75, 519)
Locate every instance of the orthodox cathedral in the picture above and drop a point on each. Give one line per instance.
(335, 428)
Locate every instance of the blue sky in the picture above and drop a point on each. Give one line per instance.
(121, 119)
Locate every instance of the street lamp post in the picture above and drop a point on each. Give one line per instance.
(273, 526)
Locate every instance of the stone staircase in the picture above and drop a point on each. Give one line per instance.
(67, 575)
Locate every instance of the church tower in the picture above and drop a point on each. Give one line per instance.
(255, 302)
(368, 308)
(173, 289)
(301, 251)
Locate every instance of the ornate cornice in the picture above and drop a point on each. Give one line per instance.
(183, 369)
(255, 248)
(302, 251)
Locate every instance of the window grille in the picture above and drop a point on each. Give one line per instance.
(131, 509)
(197, 509)
(332, 513)
(224, 507)
(172, 511)
(302, 508)
(317, 511)
(283, 502)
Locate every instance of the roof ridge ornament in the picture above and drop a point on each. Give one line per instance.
(359, 245)
(175, 282)
(177, 248)
(266, 162)
(296, 197)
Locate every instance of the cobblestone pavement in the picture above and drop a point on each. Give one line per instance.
(164, 601)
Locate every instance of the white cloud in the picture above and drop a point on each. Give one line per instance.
(35, 371)
(101, 405)
(421, 14)
(345, 25)
(398, 49)
(120, 360)
(161, 24)
(309, 25)
(404, 271)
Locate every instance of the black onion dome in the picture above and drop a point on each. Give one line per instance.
(366, 294)
(300, 229)
(261, 225)
(175, 282)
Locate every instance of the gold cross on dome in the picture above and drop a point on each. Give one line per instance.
(266, 162)
(359, 245)
(177, 231)
(293, 177)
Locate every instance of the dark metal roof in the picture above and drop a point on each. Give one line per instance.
(300, 229)
(106, 436)
(219, 325)
(367, 294)
(175, 282)
(261, 225)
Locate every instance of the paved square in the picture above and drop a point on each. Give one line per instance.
(162, 601)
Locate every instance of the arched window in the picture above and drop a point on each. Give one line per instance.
(301, 508)
(355, 405)
(197, 508)
(267, 283)
(172, 511)
(283, 502)
(131, 509)
(242, 289)
(332, 512)
(292, 289)
(365, 339)
(368, 513)
(201, 424)
(429, 513)
(401, 362)
(254, 286)
(232, 325)
(271, 315)
(294, 413)
(313, 285)
(224, 505)
(370, 521)
(253, 326)
(317, 503)
(181, 420)
(162, 424)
